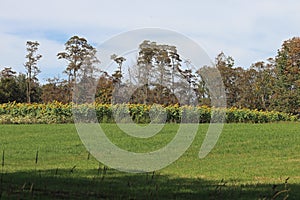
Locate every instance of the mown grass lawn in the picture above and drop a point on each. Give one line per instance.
(250, 161)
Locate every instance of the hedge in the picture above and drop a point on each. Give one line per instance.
(56, 112)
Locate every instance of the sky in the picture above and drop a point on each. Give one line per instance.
(249, 31)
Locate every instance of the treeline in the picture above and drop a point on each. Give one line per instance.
(158, 75)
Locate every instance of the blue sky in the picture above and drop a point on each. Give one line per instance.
(249, 31)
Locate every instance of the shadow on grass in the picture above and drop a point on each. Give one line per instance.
(105, 183)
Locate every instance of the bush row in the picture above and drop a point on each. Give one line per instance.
(56, 112)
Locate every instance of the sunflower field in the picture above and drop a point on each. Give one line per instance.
(56, 112)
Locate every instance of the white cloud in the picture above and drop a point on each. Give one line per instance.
(12, 51)
(247, 30)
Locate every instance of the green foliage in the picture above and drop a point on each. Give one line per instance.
(8, 90)
(12, 87)
(56, 112)
(287, 90)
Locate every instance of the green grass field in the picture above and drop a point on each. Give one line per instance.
(250, 161)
